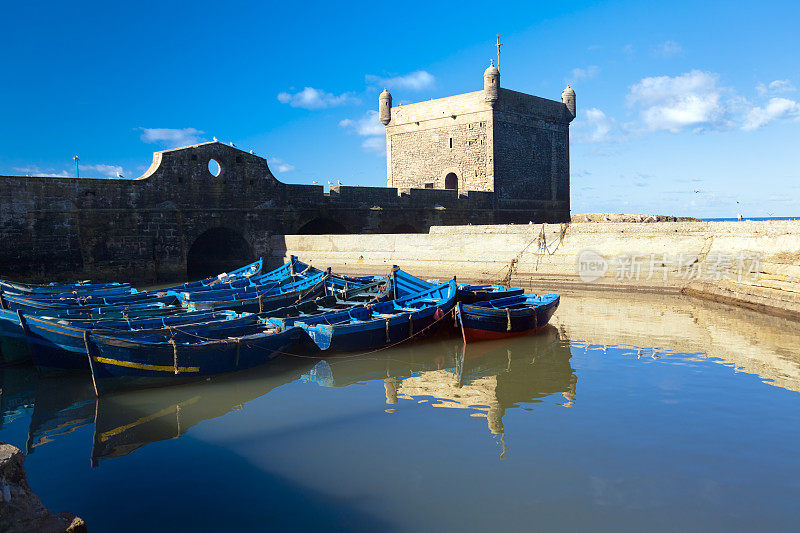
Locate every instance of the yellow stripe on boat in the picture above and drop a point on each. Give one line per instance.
(143, 420)
(142, 366)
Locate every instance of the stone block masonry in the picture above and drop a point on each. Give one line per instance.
(750, 264)
(180, 220)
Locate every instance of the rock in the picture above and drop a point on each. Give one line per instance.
(21, 509)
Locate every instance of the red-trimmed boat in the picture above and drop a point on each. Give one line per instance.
(506, 317)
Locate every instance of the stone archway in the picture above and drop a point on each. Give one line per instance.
(215, 251)
(451, 181)
(322, 226)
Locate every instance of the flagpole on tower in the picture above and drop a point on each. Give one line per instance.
(499, 44)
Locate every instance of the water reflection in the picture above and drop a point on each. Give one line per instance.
(485, 380)
(649, 324)
(16, 393)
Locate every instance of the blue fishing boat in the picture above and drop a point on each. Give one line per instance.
(57, 344)
(264, 300)
(404, 284)
(120, 361)
(56, 288)
(46, 305)
(505, 317)
(377, 325)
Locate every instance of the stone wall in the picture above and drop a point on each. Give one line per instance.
(518, 148)
(155, 228)
(697, 258)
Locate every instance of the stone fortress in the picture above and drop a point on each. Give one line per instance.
(497, 140)
(493, 156)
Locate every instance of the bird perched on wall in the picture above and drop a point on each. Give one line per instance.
(233, 144)
(119, 175)
(338, 182)
(607, 219)
(215, 139)
(252, 152)
(587, 219)
(315, 182)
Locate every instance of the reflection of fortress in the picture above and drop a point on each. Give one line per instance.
(750, 341)
(496, 376)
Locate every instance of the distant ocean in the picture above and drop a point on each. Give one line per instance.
(747, 218)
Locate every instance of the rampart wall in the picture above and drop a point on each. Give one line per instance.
(751, 264)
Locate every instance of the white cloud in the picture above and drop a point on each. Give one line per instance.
(776, 108)
(775, 87)
(628, 50)
(311, 98)
(106, 171)
(668, 49)
(374, 144)
(280, 165)
(415, 81)
(579, 74)
(50, 173)
(593, 127)
(365, 126)
(689, 101)
(370, 127)
(172, 138)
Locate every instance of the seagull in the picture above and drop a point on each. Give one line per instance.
(252, 152)
(587, 219)
(338, 182)
(330, 182)
(233, 144)
(314, 182)
(119, 175)
(639, 218)
(215, 139)
(607, 219)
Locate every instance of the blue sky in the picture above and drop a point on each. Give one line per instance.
(683, 107)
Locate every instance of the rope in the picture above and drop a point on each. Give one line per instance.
(508, 316)
(174, 355)
(348, 356)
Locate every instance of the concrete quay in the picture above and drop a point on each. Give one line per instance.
(752, 264)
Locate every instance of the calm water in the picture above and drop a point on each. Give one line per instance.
(647, 412)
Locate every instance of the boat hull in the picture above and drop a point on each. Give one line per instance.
(486, 323)
(119, 363)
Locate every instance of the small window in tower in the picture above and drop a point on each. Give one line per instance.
(429, 185)
(451, 142)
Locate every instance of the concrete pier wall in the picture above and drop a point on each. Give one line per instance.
(751, 264)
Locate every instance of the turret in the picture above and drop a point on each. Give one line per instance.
(568, 97)
(385, 107)
(491, 84)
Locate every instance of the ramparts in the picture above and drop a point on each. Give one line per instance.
(751, 264)
(178, 219)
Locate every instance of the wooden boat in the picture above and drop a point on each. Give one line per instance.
(56, 288)
(57, 344)
(265, 300)
(377, 325)
(505, 317)
(45, 305)
(404, 284)
(121, 361)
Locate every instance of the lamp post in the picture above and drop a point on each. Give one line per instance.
(77, 168)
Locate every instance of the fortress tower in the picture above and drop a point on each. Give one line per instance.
(498, 140)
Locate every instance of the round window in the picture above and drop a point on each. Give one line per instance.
(213, 167)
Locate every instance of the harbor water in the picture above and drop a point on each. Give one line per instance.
(645, 411)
